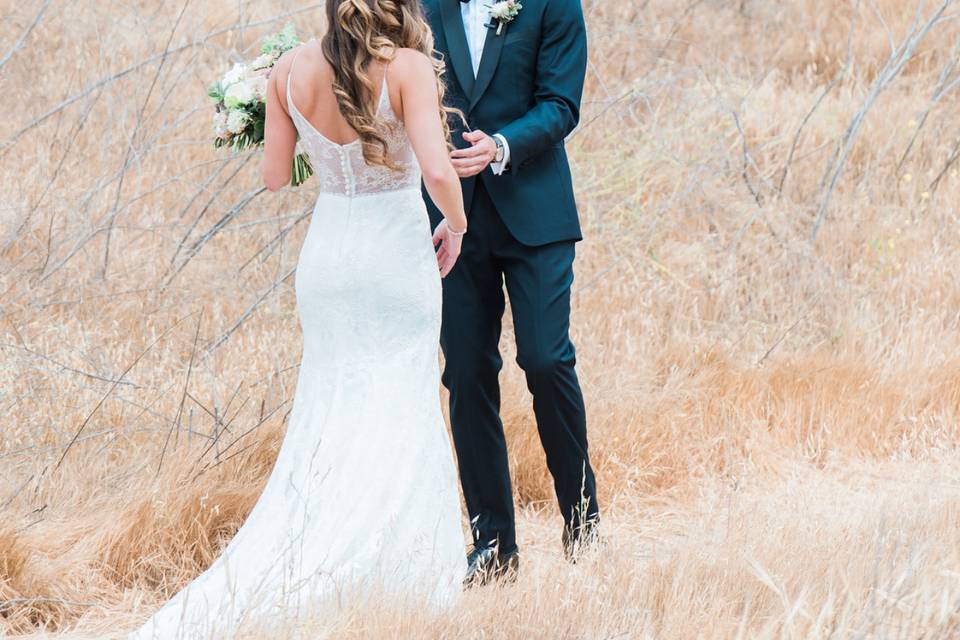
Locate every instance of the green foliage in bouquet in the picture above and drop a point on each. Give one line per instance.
(280, 42)
(240, 101)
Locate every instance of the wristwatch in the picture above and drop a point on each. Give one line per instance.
(498, 157)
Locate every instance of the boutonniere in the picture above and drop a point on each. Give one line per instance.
(504, 12)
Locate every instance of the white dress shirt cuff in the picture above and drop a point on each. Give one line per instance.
(500, 167)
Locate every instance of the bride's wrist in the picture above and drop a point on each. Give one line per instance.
(455, 232)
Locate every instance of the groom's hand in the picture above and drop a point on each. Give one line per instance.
(475, 158)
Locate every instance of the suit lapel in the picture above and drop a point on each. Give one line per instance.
(492, 47)
(457, 44)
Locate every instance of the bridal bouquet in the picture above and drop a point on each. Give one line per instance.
(241, 106)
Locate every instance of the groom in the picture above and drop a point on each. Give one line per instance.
(518, 76)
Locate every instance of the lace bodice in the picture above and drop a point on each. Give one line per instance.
(341, 168)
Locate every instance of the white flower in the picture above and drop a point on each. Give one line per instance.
(220, 124)
(263, 61)
(237, 121)
(236, 74)
(238, 94)
(506, 10)
(258, 84)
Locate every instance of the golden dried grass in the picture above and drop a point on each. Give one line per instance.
(773, 421)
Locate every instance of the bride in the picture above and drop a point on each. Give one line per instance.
(363, 494)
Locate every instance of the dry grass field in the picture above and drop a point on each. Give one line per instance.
(767, 317)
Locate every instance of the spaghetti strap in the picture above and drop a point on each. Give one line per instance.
(386, 70)
(293, 61)
(385, 88)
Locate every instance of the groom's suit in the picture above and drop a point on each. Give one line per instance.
(523, 229)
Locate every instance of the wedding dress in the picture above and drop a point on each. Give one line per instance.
(364, 492)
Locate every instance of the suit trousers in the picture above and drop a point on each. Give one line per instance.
(538, 281)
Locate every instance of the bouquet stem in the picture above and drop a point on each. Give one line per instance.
(301, 170)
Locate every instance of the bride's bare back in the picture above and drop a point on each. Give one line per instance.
(312, 92)
(413, 97)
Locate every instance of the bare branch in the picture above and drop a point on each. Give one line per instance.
(277, 238)
(747, 160)
(143, 63)
(887, 75)
(111, 217)
(175, 424)
(213, 231)
(26, 33)
(954, 155)
(65, 367)
(946, 83)
(112, 387)
(246, 314)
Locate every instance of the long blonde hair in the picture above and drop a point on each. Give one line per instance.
(358, 32)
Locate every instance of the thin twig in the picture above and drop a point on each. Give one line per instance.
(16, 493)
(71, 138)
(175, 424)
(277, 238)
(66, 367)
(747, 160)
(25, 34)
(112, 216)
(887, 75)
(139, 65)
(12, 602)
(213, 231)
(944, 86)
(110, 390)
(946, 167)
(806, 119)
(783, 336)
(263, 419)
(246, 314)
(213, 198)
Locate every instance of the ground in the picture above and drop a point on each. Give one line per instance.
(765, 314)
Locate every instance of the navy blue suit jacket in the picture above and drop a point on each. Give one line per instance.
(528, 89)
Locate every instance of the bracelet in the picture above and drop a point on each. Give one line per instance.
(456, 233)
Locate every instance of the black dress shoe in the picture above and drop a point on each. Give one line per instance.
(578, 540)
(486, 565)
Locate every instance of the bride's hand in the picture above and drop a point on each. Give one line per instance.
(449, 251)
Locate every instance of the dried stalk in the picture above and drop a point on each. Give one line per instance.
(213, 198)
(945, 84)
(887, 75)
(277, 238)
(217, 460)
(112, 216)
(26, 33)
(198, 244)
(110, 390)
(954, 155)
(175, 424)
(65, 367)
(816, 105)
(144, 63)
(246, 314)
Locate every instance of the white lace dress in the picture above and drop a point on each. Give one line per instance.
(363, 495)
